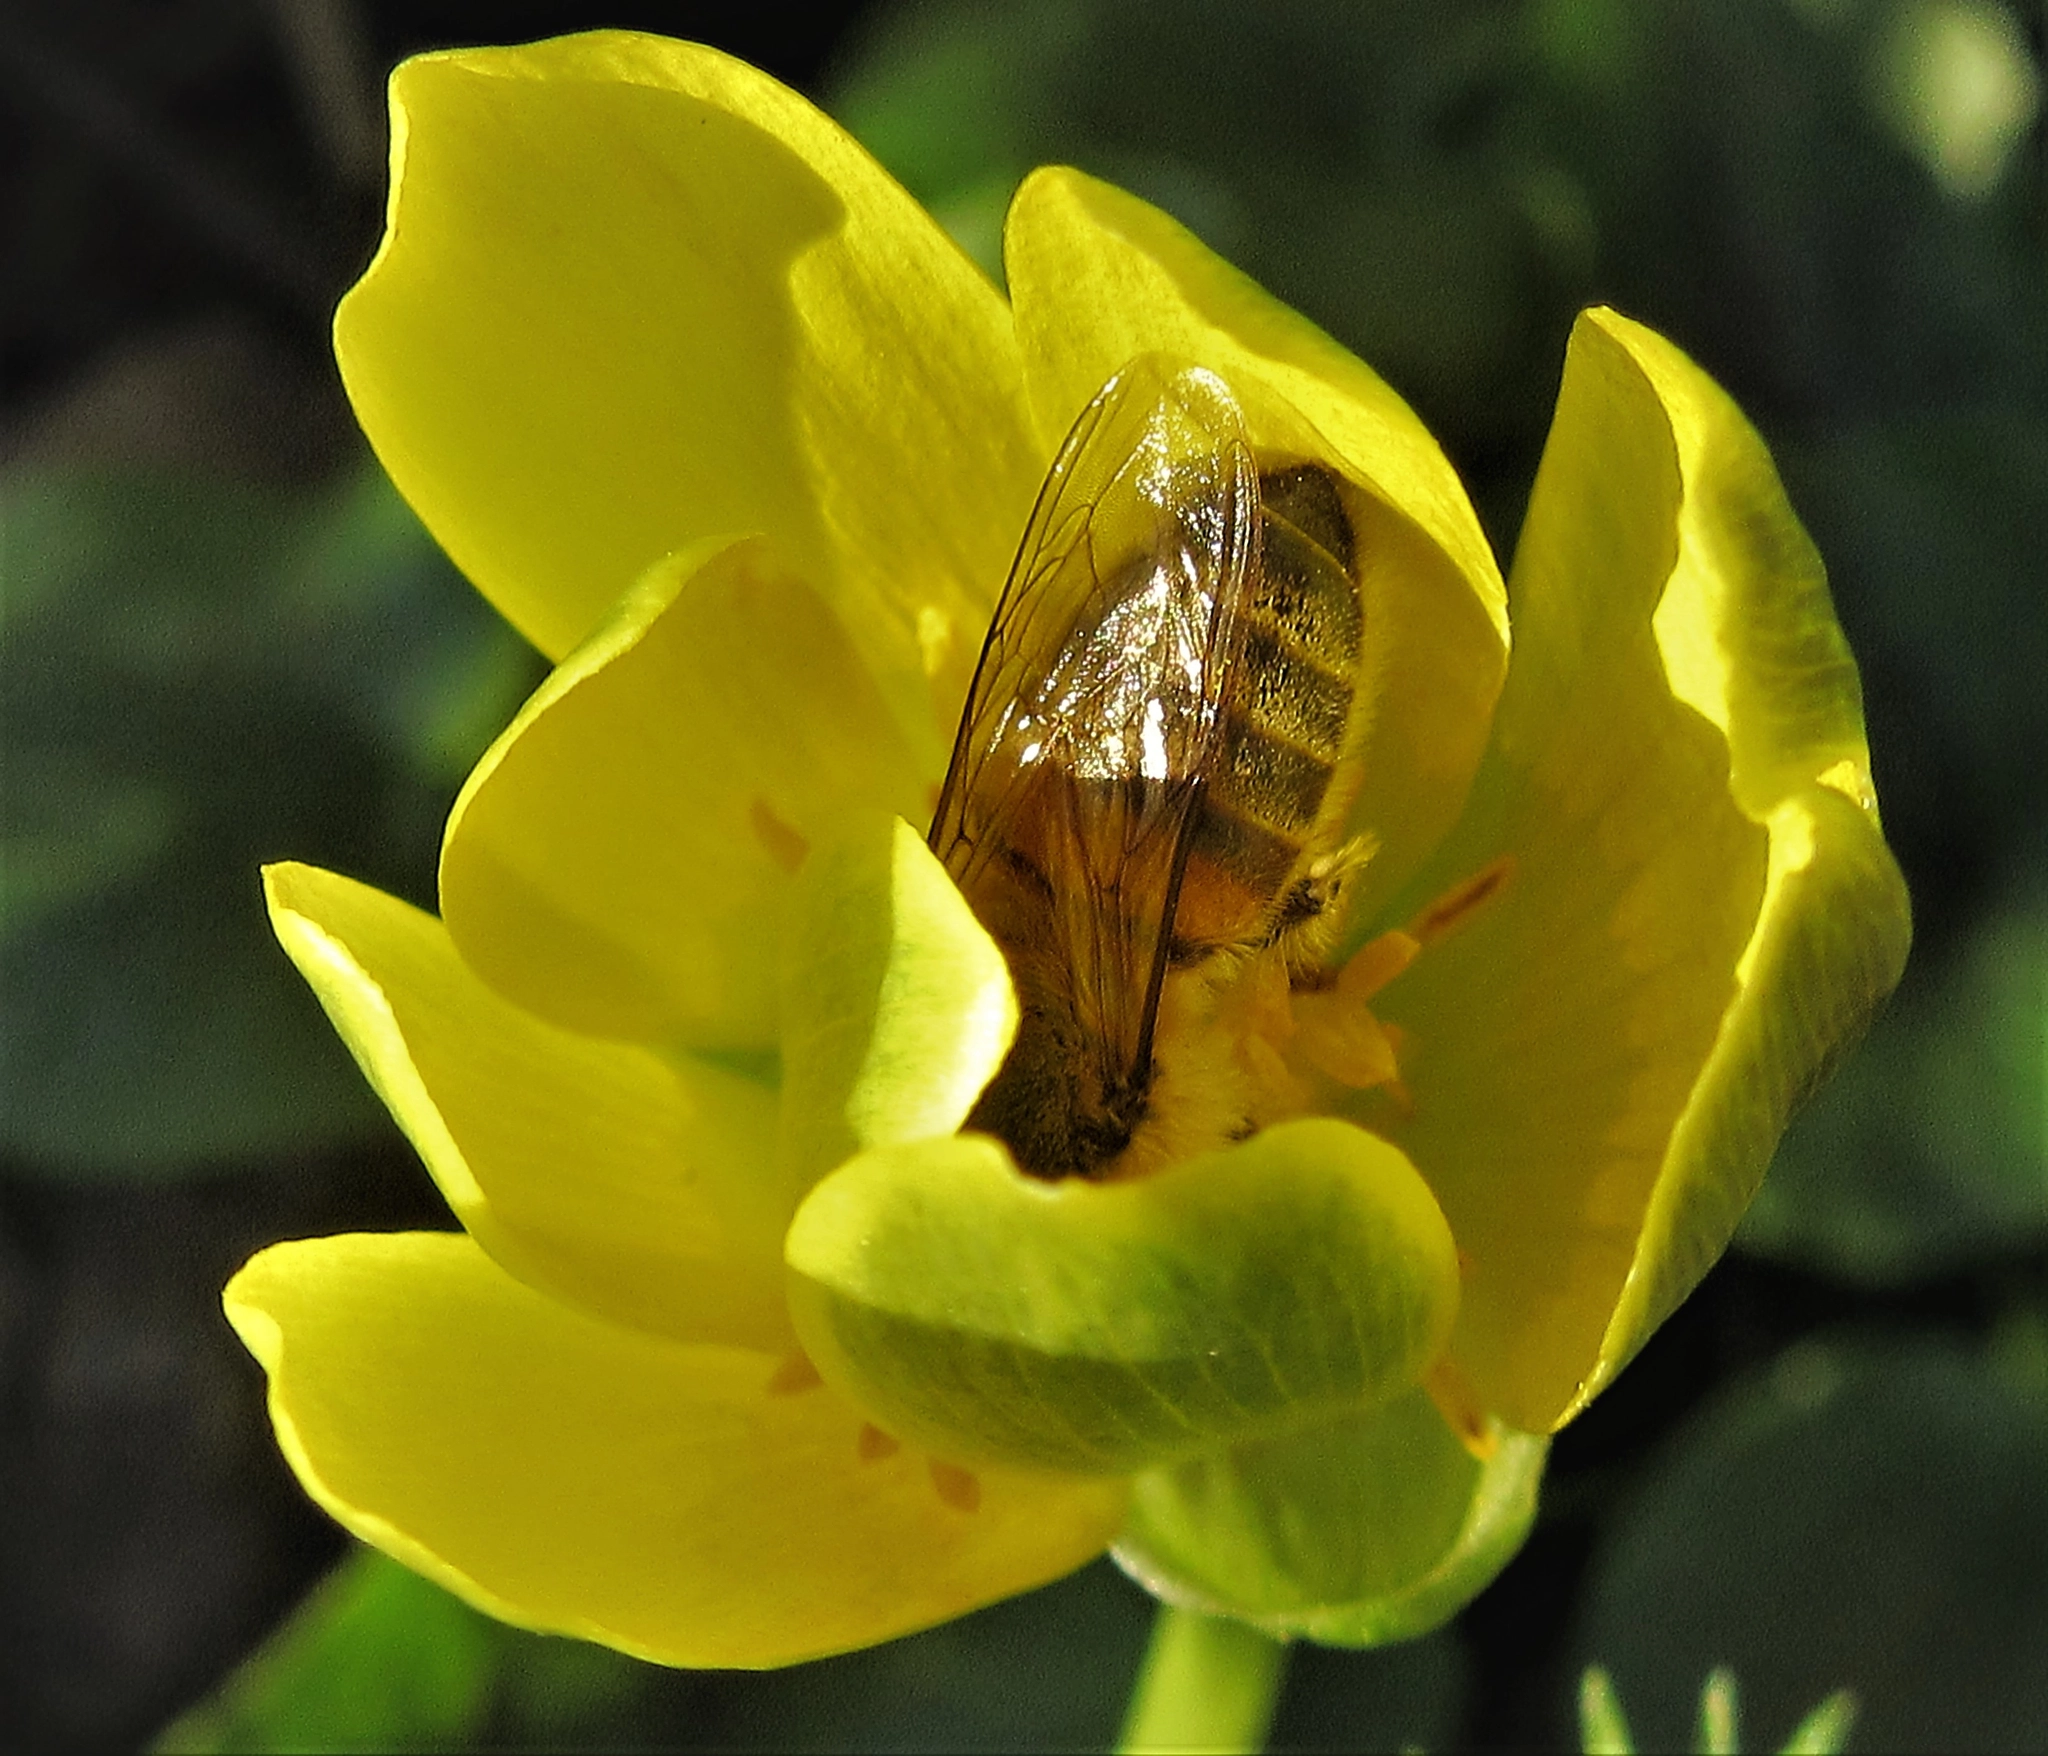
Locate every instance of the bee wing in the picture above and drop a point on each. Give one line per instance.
(1094, 714)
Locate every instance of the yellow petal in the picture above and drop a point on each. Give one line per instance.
(897, 1005)
(620, 859)
(572, 1476)
(633, 294)
(637, 1186)
(1697, 913)
(1096, 277)
(1749, 638)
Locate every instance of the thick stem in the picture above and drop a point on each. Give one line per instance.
(1207, 1683)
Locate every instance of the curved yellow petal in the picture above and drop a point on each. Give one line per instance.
(633, 294)
(1696, 910)
(663, 1498)
(897, 1005)
(1750, 640)
(621, 857)
(639, 1187)
(1098, 276)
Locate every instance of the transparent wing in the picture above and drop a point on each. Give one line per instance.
(1096, 709)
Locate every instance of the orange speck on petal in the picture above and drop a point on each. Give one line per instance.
(786, 846)
(1459, 1404)
(959, 1488)
(794, 1375)
(874, 1444)
(1456, 904)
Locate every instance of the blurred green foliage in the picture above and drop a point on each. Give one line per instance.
(1604, 1728)
(379, 1660)
(200, 675)
(1840, 207)
(1866, 1513)
(1929, 1150)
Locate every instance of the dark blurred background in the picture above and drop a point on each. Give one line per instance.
(226, 641)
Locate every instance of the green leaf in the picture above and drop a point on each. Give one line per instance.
(1356, 1531)
(1050, 1670)
(1824, 1731)
(1866, 1513)
(1603, 1727)
(151, 1032)
(376, 1659)
(70, 825)
(198, 677)
(1720, 1715)
(1101, 1327)
(958, 100)
(1932, 529)
(1930, 1148)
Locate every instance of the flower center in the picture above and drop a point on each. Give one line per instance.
(1320, 1031)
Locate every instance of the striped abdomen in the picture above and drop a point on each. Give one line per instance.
(1278, 787)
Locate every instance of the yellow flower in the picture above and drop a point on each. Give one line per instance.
(724, 423)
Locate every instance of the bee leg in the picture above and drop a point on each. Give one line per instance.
(1309, 915)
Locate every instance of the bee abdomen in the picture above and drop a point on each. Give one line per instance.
(1270, 780)
(1306, 590)
(1288, 709)
(1289, 694)
(1307, 497)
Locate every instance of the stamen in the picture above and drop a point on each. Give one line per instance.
(1345, 1041)
(786, 846)
(1277, 1083)
(795, 1375)
(1396, 1089)
(1452, 908)
(1458, 1402)
(873, 1444)
(959, 1488)
(1376, 963)
(1335, 1030)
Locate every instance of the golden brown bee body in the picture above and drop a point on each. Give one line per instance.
(1290, 710)
(1154, 766)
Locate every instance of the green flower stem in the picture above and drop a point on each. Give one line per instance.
(1207, 1683)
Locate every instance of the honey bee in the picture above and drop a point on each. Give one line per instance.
(1152, 773)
